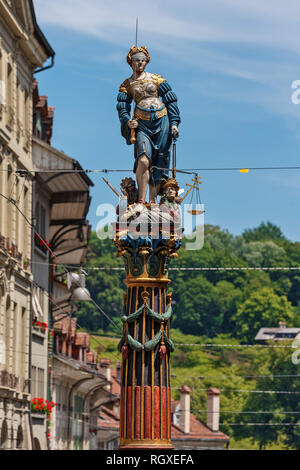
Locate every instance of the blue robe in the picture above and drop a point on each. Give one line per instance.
(153, 137)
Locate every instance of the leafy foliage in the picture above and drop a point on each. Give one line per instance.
(210, 302)
(262, 308)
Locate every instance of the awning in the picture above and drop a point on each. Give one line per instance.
(69, 243)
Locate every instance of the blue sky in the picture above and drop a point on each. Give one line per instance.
(231, 64)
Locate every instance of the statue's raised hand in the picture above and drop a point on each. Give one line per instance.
(175, 132)
(132, 123)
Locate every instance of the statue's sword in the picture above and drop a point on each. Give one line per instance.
(174, 159)
(132, 138)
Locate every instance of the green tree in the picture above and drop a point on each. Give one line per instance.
(262, 254)
(196, 308)
(262, 309)
(276, 373)
(228, 297)
(265, 231)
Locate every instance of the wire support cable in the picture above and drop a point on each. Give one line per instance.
(180, 268)
(243, 169)
(260, 424)
(203, 377)
(211, 345)
(283, 392)
(239, 412)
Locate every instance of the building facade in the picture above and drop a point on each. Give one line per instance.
(41, 259)
(81, 386)
(61, 233)
(23, 50)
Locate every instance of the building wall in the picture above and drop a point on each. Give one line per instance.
(15, 234)
(78, 438)
(40, 339)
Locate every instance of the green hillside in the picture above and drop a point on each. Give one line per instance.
(234, 370)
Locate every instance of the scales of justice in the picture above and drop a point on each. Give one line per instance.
(147, 236)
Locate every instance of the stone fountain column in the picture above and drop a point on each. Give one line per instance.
(145, 407)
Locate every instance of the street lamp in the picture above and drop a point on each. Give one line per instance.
(76, 283)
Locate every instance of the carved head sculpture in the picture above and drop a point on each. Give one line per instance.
(170, 189)
(138, 58)
(142, 51)
(129, 189)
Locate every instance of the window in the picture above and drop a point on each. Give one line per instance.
(19, 233)
(41, 379)
(43, 222)
(37, 124)
(23, 343)
(40, 215)
(18, 117)
(26, 120)
(9, 96)
(8, 332)
(26, 243)
(2, 83)
(40, 225)
(9, 208)
(9, 85)
(4, 435)
(17, 353)
(33, 382)
(37, 382)
(37, 215)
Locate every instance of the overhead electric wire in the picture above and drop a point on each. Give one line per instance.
(203, 377)
(180, 268)
(110, 170)
(238, 412)
(260, 424)
(208, 345)
(284, 392)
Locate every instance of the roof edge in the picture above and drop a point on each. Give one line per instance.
(39, 34)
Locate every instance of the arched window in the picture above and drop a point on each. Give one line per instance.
(4, 436)
(7, 329)
(36, 444)
(20, 437)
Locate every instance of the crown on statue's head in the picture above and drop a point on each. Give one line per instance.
(135, 50)
(170, 183)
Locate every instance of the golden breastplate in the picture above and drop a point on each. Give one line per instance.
(144, 92)
(140, 91)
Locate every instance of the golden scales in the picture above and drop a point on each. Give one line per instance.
(194, 188)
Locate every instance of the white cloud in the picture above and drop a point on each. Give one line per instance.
(271, 22)
(254, 40)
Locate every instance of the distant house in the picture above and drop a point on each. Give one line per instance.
(279, 333)
(187, 431)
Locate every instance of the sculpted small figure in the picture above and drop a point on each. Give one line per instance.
(155, 122)
(129, 190)
(168, 206)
